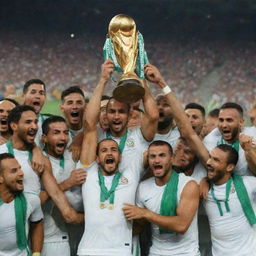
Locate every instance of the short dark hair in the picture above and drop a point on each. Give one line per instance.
(112, 98)
(105, 97)
(232, 153)
(72, 89)
(161, 143)
(214, 113)
(4, 156)
(194, 105)
(50, 120)
(15, 114)
(106, 139)
(11, 100)
(234, 106)
(32, 81)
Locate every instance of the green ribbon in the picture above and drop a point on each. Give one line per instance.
(20, 209)
(11, 151)
(234, 145)
(141, 61)
(217, 201)
(169, 199)
(106, 194)
(122, 141)
(243, 198)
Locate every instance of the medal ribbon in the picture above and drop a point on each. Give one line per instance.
(234, 145)
(228, 187)
(10, 150)
(106, 194)
(122, 141)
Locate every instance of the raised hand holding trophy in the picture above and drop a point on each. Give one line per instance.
(125, 46)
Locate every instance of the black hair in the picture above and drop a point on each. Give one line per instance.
(214, 113)
(15, 114)
(72, 89)
(234, 106)
(4, 156)
(194, 105)
(107, 139)
(32, 81)
(232, 153)
(50, 120)
(105, 97)
(161, 143)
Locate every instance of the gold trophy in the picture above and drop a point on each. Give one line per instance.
(125, 46)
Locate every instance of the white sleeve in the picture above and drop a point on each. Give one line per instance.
(139, 199)
(35, 211)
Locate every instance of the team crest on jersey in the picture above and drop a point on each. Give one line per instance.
(130, 142)
(124, 180)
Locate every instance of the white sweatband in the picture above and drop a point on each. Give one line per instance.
(166, 90)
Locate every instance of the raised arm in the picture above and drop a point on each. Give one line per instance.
(58, 197)
(150, 118)
(180, 223)
(91, 115)
(179, 115)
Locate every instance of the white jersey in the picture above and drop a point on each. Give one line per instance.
(134, 148)
(8, 245)
(149, 196)
(107, 232)
(171, 137)
(31, 179)
(55, 229)
(199, 172)
(214, 138)
(231, 233)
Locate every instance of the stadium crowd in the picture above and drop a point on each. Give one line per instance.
(61, 60)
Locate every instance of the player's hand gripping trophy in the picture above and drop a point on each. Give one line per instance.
(125, 46)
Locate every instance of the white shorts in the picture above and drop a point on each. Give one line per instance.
(56, 248)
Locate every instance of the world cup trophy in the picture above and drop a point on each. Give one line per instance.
(125, 46)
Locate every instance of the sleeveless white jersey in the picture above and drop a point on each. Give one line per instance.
(171, 137)
(231, 233)
(55, 228)
(134, 148)
(107, 232)
(214, 138)
(8, 246)
(149, 196)
(31, 179)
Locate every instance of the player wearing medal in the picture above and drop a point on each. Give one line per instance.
(106, 189)
(20, 212)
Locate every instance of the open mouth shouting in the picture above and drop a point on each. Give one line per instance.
(4, 123)
(19, 184)
(36, 105)
(32, 134)
(157, 169)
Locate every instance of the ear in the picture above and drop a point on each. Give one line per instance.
(241, 123)
(61, 107)
(230, 167)
(1, 179)
(14, 126)
(44, 138)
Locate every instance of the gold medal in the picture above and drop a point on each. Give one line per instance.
(102, 205)
(111, 207)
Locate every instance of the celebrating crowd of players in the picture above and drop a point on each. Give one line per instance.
(109, 178)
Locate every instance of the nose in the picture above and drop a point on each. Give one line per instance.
(34, 125)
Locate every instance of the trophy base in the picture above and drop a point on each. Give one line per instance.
(129, 91)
